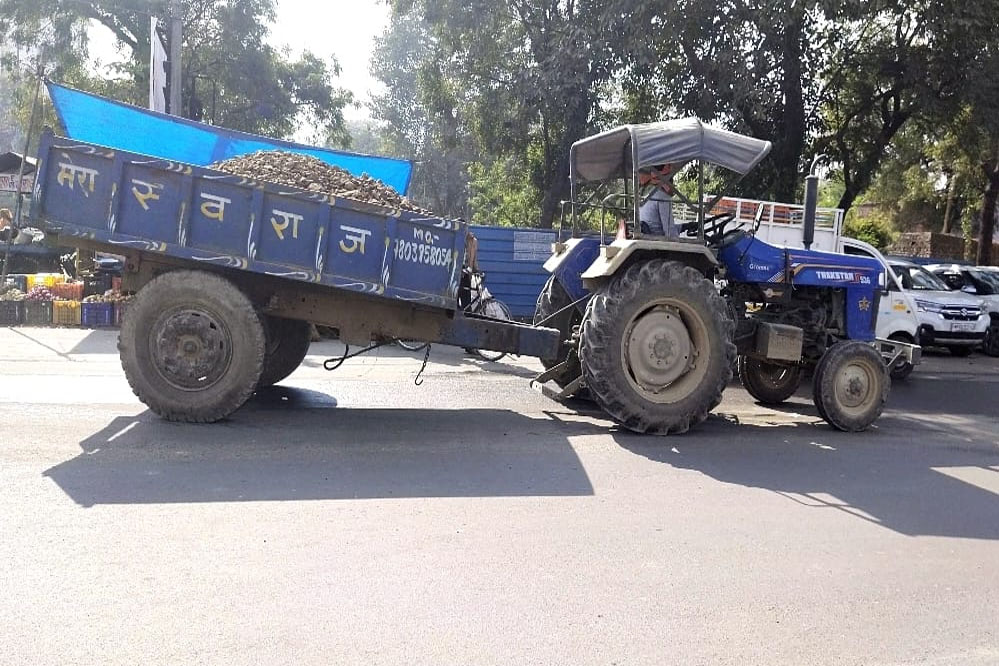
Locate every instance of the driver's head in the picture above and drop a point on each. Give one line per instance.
(661, 176)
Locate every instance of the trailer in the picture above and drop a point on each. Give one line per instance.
(228, 273)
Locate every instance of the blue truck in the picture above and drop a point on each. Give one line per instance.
(228, 273)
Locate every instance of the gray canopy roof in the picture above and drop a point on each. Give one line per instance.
(610, 154)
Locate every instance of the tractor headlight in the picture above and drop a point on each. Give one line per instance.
(927, 306)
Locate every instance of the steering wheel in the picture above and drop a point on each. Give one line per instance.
(714, 225)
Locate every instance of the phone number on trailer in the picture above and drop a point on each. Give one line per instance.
(423, 253)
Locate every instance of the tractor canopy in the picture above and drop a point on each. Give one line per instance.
(622, 151)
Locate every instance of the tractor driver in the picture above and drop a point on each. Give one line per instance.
(656, 212)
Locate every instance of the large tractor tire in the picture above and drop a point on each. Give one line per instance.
(192, 346)
(850, 386)
(769, 383)
(552, 299)
(288, 342)
(657, 347)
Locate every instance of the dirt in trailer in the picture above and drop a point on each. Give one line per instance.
(309, 173)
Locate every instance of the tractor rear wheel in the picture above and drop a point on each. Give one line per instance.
(192, 346)
(552, 299)
(288, 342)
(851, 385)
(769, 383)
(657, 347)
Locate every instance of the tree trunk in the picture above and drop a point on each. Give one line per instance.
(988, 225)
(791, 141)
(949, 210)
(554, 183)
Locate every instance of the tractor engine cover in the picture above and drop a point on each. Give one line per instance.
(779, 342)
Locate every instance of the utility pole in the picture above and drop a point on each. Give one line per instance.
(176, 25)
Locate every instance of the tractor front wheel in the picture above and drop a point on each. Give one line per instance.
(851, 385)
(657, 347)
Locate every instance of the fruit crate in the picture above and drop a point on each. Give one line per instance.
(71, 291)
(44, 280)
(11, 313)
(66, 313)
(97, 315)
(38, 313)
(96, 284)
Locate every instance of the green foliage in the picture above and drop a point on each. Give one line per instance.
(231, 77)
(502, 194)
(874, 228)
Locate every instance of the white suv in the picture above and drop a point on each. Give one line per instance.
(951, 319)
(985, 285)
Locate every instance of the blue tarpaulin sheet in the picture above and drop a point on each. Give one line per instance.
(95, 119)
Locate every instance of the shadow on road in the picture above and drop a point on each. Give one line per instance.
(292, 444)
(928, 484)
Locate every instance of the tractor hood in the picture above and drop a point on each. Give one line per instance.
(617, 152)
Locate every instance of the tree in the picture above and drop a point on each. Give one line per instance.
(528, 73)
(749, 65)
(230, 75)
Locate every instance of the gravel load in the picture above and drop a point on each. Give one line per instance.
(308, 173)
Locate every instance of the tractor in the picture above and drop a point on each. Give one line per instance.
(654, 322)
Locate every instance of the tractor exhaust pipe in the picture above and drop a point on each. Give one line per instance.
(811, 202)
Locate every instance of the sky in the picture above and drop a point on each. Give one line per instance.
(346, 29)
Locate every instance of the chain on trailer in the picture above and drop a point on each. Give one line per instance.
(335, 362)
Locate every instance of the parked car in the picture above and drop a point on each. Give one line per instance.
(981, 283)
(956, 320)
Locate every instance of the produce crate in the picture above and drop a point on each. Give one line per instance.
(19, 281)
(44, 279)
(66, 313)
(11, 313)
(71, 291)
(38, 313)
(96, 284)
(119, 311)
(96, 315)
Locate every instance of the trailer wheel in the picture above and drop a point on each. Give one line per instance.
(657, 347)
(851, 385)
(769, 383)
(192, 346)
(553, 298)
(288, 342)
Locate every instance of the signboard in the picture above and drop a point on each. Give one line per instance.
(532, 245)
(9, 180)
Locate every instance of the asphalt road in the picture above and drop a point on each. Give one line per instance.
(353, 517)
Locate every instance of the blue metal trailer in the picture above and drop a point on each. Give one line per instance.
(228, 271)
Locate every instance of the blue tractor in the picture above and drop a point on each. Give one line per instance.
(654, 321)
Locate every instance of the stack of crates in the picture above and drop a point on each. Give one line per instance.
(38, 313)
(66, 313)
(97, 315)
(96, 284)
(44, 280)
(70, 291)
(11, 313)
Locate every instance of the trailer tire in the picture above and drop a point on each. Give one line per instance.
(553, 298)
(657, 347)
(192, 346)
(288, 342)
(851, 385)
(769, 383)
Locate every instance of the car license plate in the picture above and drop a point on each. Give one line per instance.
(959, 326)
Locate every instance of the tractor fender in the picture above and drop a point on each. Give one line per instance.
(622, 252)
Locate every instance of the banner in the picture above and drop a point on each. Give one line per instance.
(8, 181)
(157, 69)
